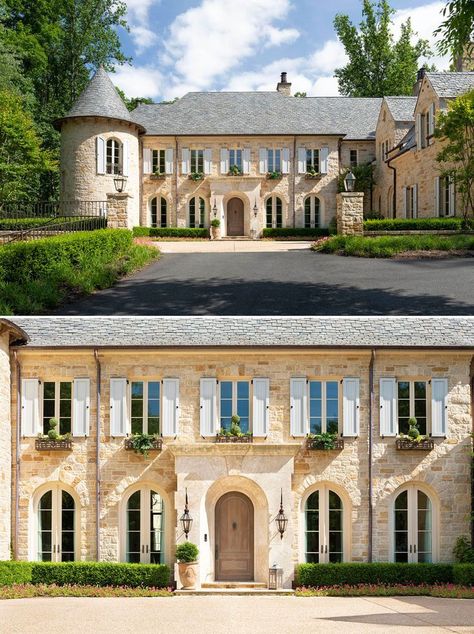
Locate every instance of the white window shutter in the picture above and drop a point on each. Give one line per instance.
(263, 160)
(208, 415)
(207, 161)
(285, 160)
(350, 406)
(119, 425)
(30, 419)
(125, 158)
(169, 160)
(100, 152)
(185, 160)
(415, 201)
(439, 407)
(452, 197)
(298, 407)
(432, 120)
(323, 160)
(301, 160)
(170, 416)
(404, 197)
(147, 160)
(418, 131)
(246, 160)
(388, 407)
(436, 196)
(224, 160)
(261, 396)
(81, 407)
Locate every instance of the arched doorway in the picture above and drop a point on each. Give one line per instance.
(235, 217)
(234, 530)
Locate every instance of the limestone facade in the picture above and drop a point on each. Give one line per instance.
(5, 447)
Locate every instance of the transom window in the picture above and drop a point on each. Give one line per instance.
(312, 160)
(56, 526)
(274, 160)
(158, 212)
(354, 157)
(413, 527)
(197, 208)
(235, 400)
(57, 404)
(311, 212)
(236, 158)
(144, 527)
(145, 405)
(323, 407)
(274, 212)
(113, 156)
(158, 165)
(197, 161)
(412, 402)
(324, 527)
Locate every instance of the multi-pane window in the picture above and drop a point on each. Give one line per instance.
(445, 196)
(274, 212)
(158, 212)
(413, 527)
(411, 203)
(312, 160)
(412, 402)
(197, 208)
(56, 526)
(323, 407)
(197, 161)
(113, 156)
(324, 527)
(274, 160)
(311, 212)
(144, 527)
(145, 404)
(384, 147)
(158, 162)
(235, 400)
(57, 404)
(353, 158)
(236, 159)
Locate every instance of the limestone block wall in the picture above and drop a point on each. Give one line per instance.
(350, 213)
(5, 449)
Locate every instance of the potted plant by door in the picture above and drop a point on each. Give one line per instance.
(215, 229)
(186, 556)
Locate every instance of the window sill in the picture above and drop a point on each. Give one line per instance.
(316, 445)
(234, 439)
(411, 445)
(46, 444)
(313, 177)
(157, 177)
(157, 445)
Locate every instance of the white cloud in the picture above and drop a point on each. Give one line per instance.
(326, 59)
(143, 38)
(139, 81)
(138, 12)
(276, 37)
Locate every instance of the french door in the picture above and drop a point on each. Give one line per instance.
(56, 526)
(413, 527)
(324, 527)
(144, 527)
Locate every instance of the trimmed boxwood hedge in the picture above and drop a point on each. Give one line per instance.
(317, 575)
(294, 232)
(413, 224)
(84, 573)
(170, 232)
(73, 223)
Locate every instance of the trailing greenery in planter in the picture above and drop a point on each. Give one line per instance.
(187, 553)
(170, 232)
(313, 173)
(143, 443)
(325, 441)
(235, 171)
(158, 174)
(274, 175)
(196, 176)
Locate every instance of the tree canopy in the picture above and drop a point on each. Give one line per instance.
(457, 29)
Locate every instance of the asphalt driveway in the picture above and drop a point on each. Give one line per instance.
(287, 283)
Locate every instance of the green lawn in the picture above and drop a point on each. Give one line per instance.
(389, 246)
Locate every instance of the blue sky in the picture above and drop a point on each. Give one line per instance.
(183, 45)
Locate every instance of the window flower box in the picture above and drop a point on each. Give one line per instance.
(157, 176)
(312, 175)
(318, 444)
(48, 444)
(274, 175)
(196, 176)
(226, 438)
(235, 171)
(156, 445)
(426, 444)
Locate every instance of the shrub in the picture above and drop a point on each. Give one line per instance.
(187, 552)
(388, 246)
(463, 574)
(12, 572)
(85, 573)
(74, 224)
(412, 224)
(294, 232)
(463, 551)
(170, 232)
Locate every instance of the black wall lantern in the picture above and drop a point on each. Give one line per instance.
(255, 209)
(349, 182)
(281, 519)
(214, 209)
(120, 182)
(186, 519)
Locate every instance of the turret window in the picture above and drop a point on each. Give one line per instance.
(113, 156)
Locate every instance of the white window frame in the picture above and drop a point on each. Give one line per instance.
(234, 382)
(411, 381)
(411, 201)
(56, 489)
(145, 528)
(146, 383)
(312, 160)
(161, 158)
(159, 198)
(272, 160)
(195, 157)
(412, 507)
(445, 194)
(312, 212)
(273, 198)
(57, 402)
(111, 169)
(197, 212)
(235, 151)
(324, 383)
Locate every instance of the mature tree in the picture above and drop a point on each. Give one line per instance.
(132, 102)
(378, 65)
(457, 30)
(456, 128)
(300, 94)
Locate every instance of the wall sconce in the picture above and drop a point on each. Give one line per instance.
(120, 182)
(281, 519)
(255, 209)
(214, 209)
(186, 519)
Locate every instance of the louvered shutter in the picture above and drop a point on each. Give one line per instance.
(147, 160)
(298, 407)
(285, 160)
(30, 418)
(169, 160)
(185, 160)
(207, 161)
(170, 416)
(119, 425)
(418, 131)
(436, 196)
(125, 158)
(452, 197)
(415, 201)
(323, 160)
(301, 160)
(263, 160)
(224, 160)
(261, 392)
(432, 120)
(246, 160)
(404, 201)
(439, 407)
(208, 415)
(81, 407)
(388, 407)
(350, 406)
(100, 155)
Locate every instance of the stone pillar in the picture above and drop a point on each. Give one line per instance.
(117, 211)
(350, 213)
(5, 447)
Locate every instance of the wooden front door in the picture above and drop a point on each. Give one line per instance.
(234, 538)
(235, 217)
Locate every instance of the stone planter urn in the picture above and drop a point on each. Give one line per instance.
(188, 574)
(215, 233)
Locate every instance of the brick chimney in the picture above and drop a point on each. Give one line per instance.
(284, 86)
(419, 78)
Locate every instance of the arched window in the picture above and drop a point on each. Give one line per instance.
(114, 151)
(56, 522)
(159, 212)
(274, 209)
(197, 209)
(413, 527)
(324, 534)
(311, 212)
(144, 523)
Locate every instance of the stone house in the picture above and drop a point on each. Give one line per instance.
(365, 499)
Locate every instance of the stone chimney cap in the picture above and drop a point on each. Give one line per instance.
(420, 74)
(284, 78)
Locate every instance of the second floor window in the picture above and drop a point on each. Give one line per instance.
(158, 162)
(274, 212)
(236, 159)
(113, 156)
(235, 400)
(145, 405)
(323, 407)
(412, 402)
(274, 160)
(57, 404)
(354, 158)
(312, 160)
(197, 161)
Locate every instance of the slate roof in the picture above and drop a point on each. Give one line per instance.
(407, 143)
(224, 332)
(451, 84)
(249, 113)
(402, 108)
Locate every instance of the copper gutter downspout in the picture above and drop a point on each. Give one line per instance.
(17, 454)
(371, 413)
(394, 200)
(176, 176)
(97, 485)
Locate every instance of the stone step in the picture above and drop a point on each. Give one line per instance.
(235, 592)
(237, 238)
(216, 585)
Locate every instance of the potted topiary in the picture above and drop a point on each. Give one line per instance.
(276, 174)
(235, 171)
(312, 173)
(413, 439)
(53, 439)
(215, 229)
(235, 433)
(196, 176)
(187, 558)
